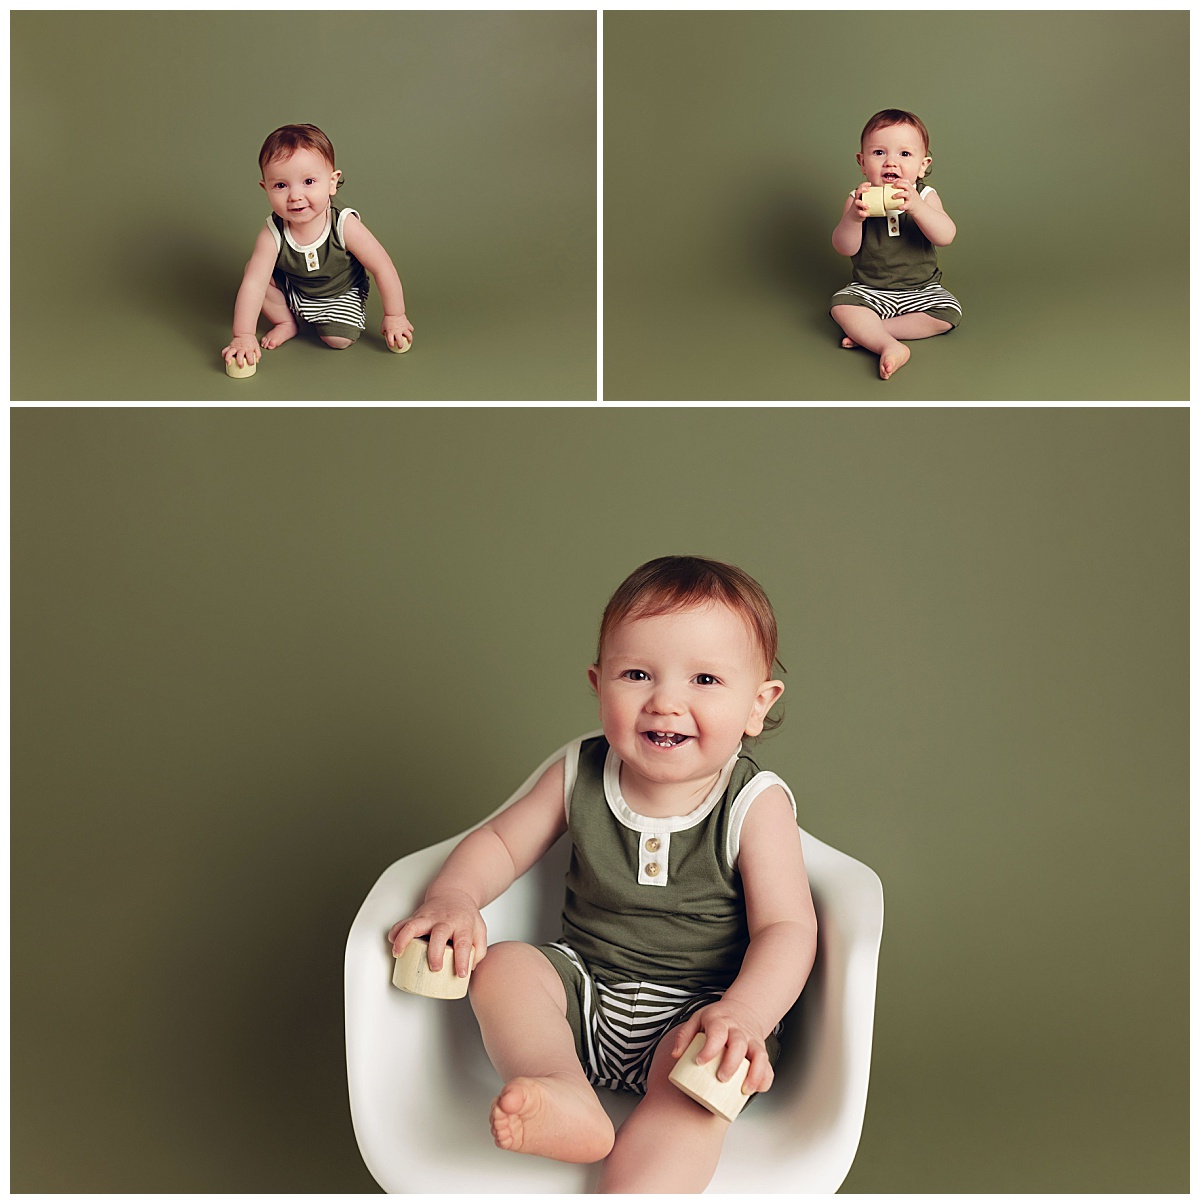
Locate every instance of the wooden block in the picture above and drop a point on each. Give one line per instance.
(412, 973)
(880, 200)
(702, 1085)
(405, 344)
(239, 373)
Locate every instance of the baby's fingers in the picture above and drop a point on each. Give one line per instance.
(401, 934)
(684, 1035)
(463, 947)
(761, 1074)
(734, 1054)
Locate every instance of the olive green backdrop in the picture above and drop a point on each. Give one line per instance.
(468, 140)
(1059, 146)
(258, 654)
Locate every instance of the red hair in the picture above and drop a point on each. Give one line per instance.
(288, 139)
(676, 582)
(886, 117)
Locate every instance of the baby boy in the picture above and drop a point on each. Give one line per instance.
(896, 293)
(311, 260)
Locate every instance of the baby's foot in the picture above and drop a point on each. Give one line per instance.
(279, 334)
(552, 1118)
(894, 357)
(849, 342)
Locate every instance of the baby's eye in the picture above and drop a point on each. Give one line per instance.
(310, 181)
(636, 675)
(706, 679)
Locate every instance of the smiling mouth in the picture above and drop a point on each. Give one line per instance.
(665, 739)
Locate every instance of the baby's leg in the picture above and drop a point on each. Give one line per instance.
(275, 309)
(910, 326)
(916, 326)
(547, 1106)
(866, 328)
(669, 1143)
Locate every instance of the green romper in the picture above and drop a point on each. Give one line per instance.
(324, 284)
(896, 271)
(654, 921)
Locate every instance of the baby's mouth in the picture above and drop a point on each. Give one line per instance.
(665, 739)
(890, 176)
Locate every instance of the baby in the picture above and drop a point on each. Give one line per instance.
(896, 292)
(687, 904)
(311, 259)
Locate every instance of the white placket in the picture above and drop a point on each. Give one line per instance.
(654, 849)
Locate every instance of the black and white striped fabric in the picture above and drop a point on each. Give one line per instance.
(891, 303)
(350, 309)
(624, 1022)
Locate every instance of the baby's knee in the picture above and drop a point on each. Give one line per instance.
(336, 342)
(498, 966)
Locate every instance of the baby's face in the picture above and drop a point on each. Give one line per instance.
(299, 187)
(893, 152)
(678, 692)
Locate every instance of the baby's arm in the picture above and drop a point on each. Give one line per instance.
(783, 944)
(244, 345)
(934, 221)
(368, 250)
(847, 234)
(483, 865)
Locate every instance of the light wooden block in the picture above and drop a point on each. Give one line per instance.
(702, 1085)
(412, 973)
(239, 372)
(880, 200)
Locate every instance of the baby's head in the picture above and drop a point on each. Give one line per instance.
(283, 143)
(894, 143)
(672, 585)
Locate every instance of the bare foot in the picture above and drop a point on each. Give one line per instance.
(279, 334)
(552, 1118)
(893, 358)
(849, 342)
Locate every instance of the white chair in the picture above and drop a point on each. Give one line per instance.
(421, 1084)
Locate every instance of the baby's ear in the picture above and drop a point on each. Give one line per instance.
(769, 693)
(594, 678)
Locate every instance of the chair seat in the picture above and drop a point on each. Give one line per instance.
(421, 1084)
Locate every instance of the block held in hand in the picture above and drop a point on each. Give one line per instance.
(412, 973)
(701, 1083)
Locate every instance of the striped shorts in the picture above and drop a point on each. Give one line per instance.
(344, 316)
(892, 302)
(618, 1026)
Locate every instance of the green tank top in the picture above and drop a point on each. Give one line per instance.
(323, 269)
(904, 260)
(657, 900)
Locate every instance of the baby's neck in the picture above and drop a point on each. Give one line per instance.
(663, 800)
(305, 233)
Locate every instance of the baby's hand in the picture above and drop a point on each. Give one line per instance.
(906, 195)
(732, 1028)
(396, 330)
(243, 349)
(450, 918)
(860, 210)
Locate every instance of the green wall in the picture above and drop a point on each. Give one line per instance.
(1059, 144)
(468, 143)
(259, 654)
